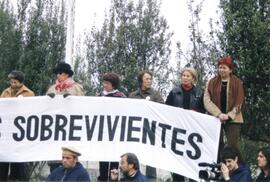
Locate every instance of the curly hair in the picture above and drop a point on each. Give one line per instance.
(113, 78)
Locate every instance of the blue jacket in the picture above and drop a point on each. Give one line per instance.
(139, 177)
(77, 173)
(241, 174)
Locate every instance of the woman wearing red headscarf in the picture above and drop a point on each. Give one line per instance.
(224, 98)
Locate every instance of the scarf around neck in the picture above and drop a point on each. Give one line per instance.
(187, 87)
(64, 84)
(105, 93)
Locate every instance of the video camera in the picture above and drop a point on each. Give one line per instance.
(212, 171)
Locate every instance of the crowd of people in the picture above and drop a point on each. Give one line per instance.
(223, 98)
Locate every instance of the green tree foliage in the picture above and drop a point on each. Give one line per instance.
(133, 37)
(43, 42)
(32, 42)
(9, 42)
(246, 37)
(203, 49)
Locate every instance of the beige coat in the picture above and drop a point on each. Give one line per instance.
(213, 109)
(23, 91)
(76, 90)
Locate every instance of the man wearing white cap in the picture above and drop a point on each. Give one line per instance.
(71, 169)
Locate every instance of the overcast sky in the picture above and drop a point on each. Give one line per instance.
(92, 12)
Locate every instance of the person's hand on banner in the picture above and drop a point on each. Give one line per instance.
(66, 95)
(51, 95)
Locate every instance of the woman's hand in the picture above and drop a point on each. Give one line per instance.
(223, 117)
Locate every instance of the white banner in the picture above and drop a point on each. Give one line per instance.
(103, 128)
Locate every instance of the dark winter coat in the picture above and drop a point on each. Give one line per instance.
(77, 173)
(115, 93)
(241, 174)
(139, 177)
(176, 97)
(262, 178)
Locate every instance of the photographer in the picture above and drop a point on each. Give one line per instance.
(234, 169)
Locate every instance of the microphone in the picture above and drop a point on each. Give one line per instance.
(203, 164)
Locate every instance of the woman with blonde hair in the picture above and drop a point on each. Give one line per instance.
(186, 96)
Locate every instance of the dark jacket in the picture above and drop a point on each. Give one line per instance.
(152, 94)
(116, 93)
(139, 177)
(241, 174)
(175, 98)
(261, 178)
(77, 173)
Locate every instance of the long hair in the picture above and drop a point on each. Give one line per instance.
(266, 152)
(140, 76)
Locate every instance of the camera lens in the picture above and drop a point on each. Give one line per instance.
(208, 175)
(204, 174)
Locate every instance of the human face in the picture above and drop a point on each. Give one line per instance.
(68, 161)
(61, 76)
(107, 86)
(146, 81)
(261, 159)
(224, 71)
(15, 84)
(187, 78)
(231, 164)
(124, 166)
